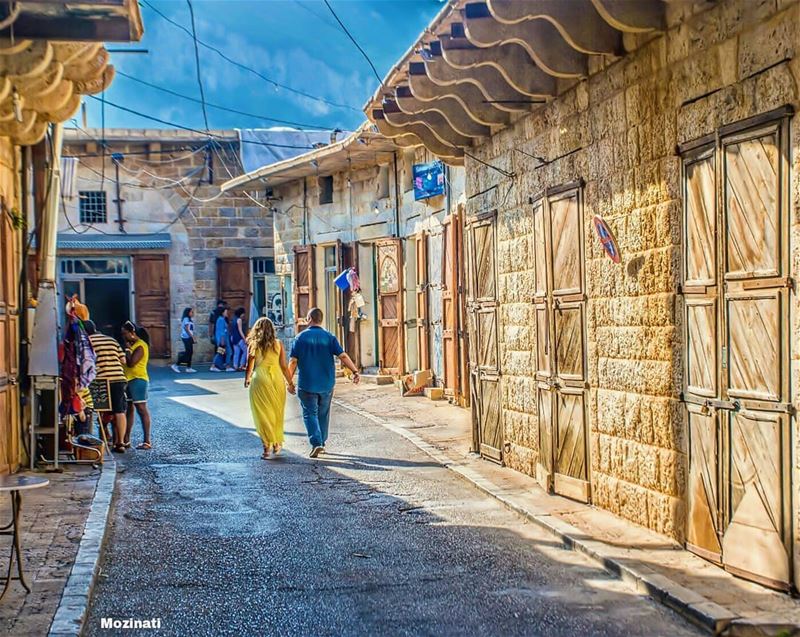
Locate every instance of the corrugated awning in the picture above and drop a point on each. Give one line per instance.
(159, 241)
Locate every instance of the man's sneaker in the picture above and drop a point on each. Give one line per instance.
(175, 368)
(191, 370)
(214, 369)
(316, 451)
(230, 369)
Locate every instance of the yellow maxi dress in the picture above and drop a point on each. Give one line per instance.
(268, 397)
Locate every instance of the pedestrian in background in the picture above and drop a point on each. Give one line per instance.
(222, 339)
(239, 340)
(137, 355)
(313, 352)
(189, 340)
(265, 375)
(110, 367)
(212, 321)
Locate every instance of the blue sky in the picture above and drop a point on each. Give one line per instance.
(295, 42)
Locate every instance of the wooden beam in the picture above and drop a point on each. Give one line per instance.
(468, 95)
(435, 121)
(511, 60)
(577, 20)
(421, 132)
(451, 109)
(632, 16)
(540, 38)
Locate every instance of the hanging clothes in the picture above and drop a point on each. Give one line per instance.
(353, 280)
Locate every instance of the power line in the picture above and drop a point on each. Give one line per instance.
(194, 130)
(322, 18)
(353, 40)
(197, 64)
(224, 108)
(248, 68)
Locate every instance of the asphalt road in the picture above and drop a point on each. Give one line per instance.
(374, 539)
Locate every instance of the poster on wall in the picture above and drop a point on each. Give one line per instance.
(428, 180)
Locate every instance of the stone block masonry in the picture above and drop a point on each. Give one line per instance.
(169, 192)
(617, 131)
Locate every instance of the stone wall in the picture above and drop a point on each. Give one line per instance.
(618, 132)
(359, 213)
(156, 192)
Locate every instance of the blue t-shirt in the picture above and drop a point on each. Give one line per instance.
(314, 349)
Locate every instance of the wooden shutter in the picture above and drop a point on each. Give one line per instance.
(449, 306)
(390, 306)
(304, 289)
(423, 349)
(9, 345)
(151, 277)
(233, 284)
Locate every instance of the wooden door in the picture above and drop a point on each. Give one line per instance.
(737, 394)
(9, 345)
(484, 350)
(233, 284)
(450, 307)
(435, 251)
(305, 296)
(351, 342)
(422, 325)
(390, 306)
(461, 304)
(560, 308)
(151, 281)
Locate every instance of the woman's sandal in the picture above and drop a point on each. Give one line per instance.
(276, 449)
(146, 446)
(265, 455)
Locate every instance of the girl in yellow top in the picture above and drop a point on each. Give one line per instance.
(137, 355)
(266, 371)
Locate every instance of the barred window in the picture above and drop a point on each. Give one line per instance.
(92, 206)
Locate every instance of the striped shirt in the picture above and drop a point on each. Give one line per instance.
(109, 358)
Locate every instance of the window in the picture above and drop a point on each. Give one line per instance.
(326, 189)
(264, 266)
(92, 206)
(383, 182)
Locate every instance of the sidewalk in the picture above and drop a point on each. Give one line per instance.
(655, 564)
(53, 520)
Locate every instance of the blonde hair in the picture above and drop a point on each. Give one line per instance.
(261, 337)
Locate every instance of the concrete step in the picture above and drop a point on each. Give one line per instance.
(377, 379)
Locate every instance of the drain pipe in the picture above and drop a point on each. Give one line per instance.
(305, 210)
(396, 197)
(47, 258)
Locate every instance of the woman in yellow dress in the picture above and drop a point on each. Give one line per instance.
(266, 371)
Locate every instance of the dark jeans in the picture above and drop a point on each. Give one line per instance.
(316, 415)
(185, 357)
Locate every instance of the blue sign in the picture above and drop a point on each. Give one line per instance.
(428, 180)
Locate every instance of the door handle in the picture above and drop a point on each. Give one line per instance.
(12, 380)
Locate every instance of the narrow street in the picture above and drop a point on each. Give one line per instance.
(374, 538)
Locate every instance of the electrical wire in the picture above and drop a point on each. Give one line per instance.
(301, 125)
(230, 174)
(194, 130)
(197, 64)
(130, 184)
(248, 68)
(353, 40)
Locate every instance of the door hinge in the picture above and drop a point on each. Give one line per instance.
(724, 357)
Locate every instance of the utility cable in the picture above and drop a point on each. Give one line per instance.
(304, 126)
(197, 64)
(248, 68)
(195, 130)
(353, 40)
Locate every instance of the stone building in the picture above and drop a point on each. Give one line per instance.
(145, 231)
(632, 211)
(353, 204)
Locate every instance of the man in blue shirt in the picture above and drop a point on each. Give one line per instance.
(312, 353)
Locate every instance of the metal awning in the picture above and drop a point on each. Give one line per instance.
(69, 241)
(364, 147)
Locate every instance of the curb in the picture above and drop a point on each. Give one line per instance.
(71, 613)
(698, 609)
